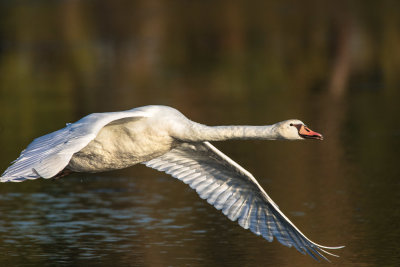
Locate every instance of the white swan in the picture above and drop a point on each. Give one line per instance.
(164, 139)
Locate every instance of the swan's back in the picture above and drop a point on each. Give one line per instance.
(130, 140)
(123, 143)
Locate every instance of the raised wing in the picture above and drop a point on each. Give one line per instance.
(232, 189)
(49, 154)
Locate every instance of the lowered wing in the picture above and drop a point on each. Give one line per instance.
(232, 189)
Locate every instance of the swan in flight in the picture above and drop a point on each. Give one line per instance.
(164, 139)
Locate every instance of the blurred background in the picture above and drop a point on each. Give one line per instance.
(333, 64)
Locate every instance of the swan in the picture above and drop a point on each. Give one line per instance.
(162, 138)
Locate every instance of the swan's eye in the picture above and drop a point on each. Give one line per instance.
(291, 124)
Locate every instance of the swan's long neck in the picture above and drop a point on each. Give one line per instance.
(200, 132)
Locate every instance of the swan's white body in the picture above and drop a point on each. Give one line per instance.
(164, 139)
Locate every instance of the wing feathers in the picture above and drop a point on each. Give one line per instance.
(245, 214)
(234, 191)
(221, 198)
(48, 155)
(263, 224)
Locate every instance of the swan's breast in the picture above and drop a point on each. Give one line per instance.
(122, 144)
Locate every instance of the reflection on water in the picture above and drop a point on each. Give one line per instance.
(107, 219)
(66, 224)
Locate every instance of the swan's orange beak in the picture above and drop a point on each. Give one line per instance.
(307, 133)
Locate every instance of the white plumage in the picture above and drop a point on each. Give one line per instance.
(47, 155)
(162, 138)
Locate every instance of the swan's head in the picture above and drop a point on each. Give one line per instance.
(296, 130)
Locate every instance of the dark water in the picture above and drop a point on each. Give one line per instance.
(333, 66)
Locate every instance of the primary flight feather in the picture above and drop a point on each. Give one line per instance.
(164, 139)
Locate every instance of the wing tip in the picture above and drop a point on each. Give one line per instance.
(317, 251)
